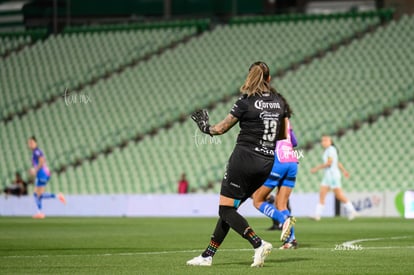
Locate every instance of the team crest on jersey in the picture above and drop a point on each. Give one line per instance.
(260, 104)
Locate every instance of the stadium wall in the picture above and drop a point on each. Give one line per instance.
(377, 204)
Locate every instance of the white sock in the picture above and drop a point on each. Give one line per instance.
(349, 207)
(319, 209)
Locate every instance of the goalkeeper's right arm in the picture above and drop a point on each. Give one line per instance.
(223, 126)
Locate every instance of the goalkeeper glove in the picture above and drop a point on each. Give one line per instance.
(201, 118)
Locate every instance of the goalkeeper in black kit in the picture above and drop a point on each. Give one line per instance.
(260, 112)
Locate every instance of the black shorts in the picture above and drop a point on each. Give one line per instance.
(246, 172)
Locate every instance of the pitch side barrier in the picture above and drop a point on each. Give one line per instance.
(368, 204)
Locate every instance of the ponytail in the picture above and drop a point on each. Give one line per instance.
(257, 80)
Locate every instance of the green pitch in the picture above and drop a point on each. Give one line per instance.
(163, 245)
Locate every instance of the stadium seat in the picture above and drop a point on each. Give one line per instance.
(327, 94)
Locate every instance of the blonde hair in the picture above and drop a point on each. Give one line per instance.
(257, 80)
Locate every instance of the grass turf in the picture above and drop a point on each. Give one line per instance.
(163, 245)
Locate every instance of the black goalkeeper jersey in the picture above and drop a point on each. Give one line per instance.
(260, 119)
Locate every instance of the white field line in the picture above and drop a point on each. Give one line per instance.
(351, 244)
(179, 251)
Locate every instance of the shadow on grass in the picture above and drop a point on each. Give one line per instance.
(288, 260)
(268, 261)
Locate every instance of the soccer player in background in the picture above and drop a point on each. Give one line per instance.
(259, 113)
(282, 176)
(332, 178)
(41, 172)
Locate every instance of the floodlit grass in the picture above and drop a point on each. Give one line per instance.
(163, 245)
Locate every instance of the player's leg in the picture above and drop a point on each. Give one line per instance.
(220, 232)
(245, 175)
(230, 218)
(206, 258)
(38, 192)
(46, 195)
(228, 212)
(289, 239)
(286, 186)
(323, 191)
(272, 200)
(261, 204)
(339, 194)
(261, 194)
(239, 224)
(233, 192)
(60, 196)
(282, 198)
(281, 201)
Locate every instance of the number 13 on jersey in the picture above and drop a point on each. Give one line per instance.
(270, 127)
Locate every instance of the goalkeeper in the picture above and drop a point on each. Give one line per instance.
(259, 112)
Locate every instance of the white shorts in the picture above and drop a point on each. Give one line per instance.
(332, 182)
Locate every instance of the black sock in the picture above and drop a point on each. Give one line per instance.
(252, 237)
(220, 232)
(239, 224)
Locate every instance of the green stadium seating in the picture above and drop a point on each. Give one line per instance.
(353, 82)
(377, 159)
(147, 96)
(328, 94)
(8, 44)
(65, 61)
